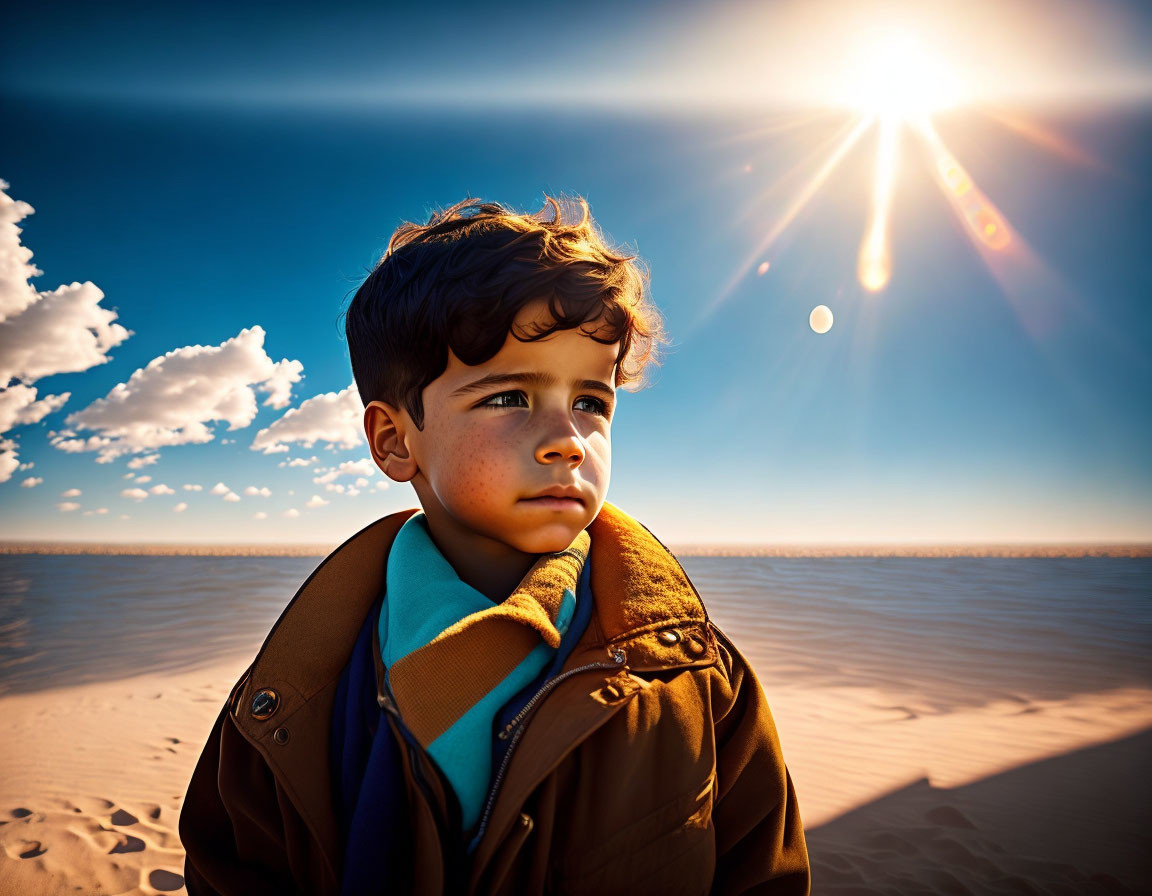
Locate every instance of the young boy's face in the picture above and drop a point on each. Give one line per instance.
(535, 416)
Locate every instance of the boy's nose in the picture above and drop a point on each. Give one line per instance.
(568, 447)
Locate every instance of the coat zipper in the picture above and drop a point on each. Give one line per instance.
(515, 730)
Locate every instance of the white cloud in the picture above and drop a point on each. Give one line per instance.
(125, 516)
(142, 461)
(162, 489)
(333, 417)
(67, 506)
(137, 494)
(254, 492)
(71, 493)
(381, 484)
(63, 331)
(128, 476)
(192, 487)
(260, 515)
(299, 462)
(360, 468)
(335, 487)
(19, 407)
(180, 508)
(361, 483)
(32, 482)
(27, 466)
(8, 460)
(220, 489)
(231, 497)
(143, 479)
(41, 333)
(16, 267)
(315, 501)
(173, 399)
(352, 492)
(291, 513)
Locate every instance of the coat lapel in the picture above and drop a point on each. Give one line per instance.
(645, 605)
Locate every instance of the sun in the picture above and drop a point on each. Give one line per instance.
(892, 80)
(893, 75)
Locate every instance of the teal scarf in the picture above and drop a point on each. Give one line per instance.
(454, 658)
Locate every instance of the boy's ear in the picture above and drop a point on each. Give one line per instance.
(385, 427)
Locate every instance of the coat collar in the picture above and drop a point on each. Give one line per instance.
(644, 604)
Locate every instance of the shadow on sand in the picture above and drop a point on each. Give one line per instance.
(1079, 823)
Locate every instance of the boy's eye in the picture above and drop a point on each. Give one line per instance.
(494, 401)
(598, 405)
(498, 401)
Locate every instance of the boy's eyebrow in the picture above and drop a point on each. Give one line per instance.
(534, 378)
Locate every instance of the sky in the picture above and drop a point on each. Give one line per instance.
(192, 196)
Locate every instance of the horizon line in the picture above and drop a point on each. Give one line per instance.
(829, 549)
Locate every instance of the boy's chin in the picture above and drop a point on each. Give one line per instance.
(550, 538)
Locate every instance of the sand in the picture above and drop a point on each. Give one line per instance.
(1011, 796)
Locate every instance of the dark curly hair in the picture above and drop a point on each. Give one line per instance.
(459, 281)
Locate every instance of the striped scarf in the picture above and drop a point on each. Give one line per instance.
(453, 659)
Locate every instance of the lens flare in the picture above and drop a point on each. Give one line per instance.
(874, 264)
(895, 72)
(982, 219)
(820, 320)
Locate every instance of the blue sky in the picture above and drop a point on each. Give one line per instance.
(212, 173)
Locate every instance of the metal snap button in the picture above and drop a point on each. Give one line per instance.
(280, 735)
(670, 636)
(264, 703)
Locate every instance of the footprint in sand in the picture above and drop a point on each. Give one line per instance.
(21, 813)
(124, 818)
(130, 844)
(165, 881)
(33, 850)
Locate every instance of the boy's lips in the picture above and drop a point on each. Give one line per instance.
(559, 495)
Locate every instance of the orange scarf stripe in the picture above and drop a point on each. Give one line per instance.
(438, 683)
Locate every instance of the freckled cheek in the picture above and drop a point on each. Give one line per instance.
(479, 466)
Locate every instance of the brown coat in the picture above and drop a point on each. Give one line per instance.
(662, 774)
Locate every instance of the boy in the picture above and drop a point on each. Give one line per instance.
(515, 689)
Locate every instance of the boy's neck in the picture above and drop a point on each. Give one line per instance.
(490, 566)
